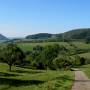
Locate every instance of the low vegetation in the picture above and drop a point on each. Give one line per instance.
(28, 79)
(86, 69)
(43, 56)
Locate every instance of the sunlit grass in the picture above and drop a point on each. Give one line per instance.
(28, 79)
(29, 46)
(86, 69)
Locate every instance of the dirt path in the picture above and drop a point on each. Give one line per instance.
(81, 81)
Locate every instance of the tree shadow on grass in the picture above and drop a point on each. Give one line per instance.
(16, 82)
(64, 78)
(83, 67)
(8, 74)
(5, 88)
(30, 72)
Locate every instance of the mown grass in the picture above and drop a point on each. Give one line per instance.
(28, 79)
(86, 69)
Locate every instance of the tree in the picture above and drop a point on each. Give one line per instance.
(44, 57)
(12, 55)
(88, 39)
(38, 48)
(82, 61)
(62, 62)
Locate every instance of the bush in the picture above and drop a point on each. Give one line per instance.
(62, 62)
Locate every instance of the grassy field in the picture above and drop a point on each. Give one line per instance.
(86, 69)
(81, 45)
(29, 46)
(27, 79)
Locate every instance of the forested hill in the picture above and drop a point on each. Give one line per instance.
(2, 37)
(39, 36)
(77, 34)
(72, 34)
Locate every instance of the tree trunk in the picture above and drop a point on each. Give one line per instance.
(10, 68)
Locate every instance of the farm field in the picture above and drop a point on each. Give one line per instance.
(28, 79)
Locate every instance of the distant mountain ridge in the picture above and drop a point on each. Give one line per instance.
(2, 37)
(77, 34)
(39, 36)
(81, 33)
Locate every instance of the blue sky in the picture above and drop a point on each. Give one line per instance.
(19, 18)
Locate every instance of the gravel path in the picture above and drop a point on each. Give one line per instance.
(81, 81)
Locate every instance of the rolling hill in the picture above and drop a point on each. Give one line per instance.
(72, 34)
(39, 36)
(77, 34)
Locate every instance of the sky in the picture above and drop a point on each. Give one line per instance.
(19, 18)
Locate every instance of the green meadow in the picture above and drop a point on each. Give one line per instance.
(28, 79)
(29, 46)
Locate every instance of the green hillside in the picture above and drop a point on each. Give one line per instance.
(77, 34)
(72, 34)
(39, 36)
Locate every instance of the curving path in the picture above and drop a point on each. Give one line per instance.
(81, 81)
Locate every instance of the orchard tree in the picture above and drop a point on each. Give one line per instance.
(62, 62)
(88, 39)
(12, 54)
